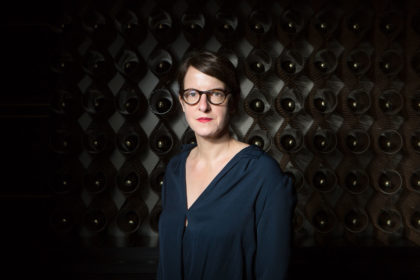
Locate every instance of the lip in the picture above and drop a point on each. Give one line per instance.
(204, 120)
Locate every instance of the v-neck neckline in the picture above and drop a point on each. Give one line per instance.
(208, 187)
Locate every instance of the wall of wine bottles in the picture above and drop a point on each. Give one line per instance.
(330, 89)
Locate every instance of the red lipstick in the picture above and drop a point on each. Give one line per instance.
(204, 120)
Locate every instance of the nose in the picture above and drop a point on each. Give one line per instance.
(203, 104)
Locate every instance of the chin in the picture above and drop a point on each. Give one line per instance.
(208, 133)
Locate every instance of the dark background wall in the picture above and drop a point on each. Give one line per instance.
(89, 120)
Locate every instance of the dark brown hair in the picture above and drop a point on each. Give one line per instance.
(215, 65)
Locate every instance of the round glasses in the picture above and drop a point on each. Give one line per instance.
(214, 96)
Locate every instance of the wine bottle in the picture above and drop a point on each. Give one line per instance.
(290, 140)
(390, 102)
(324, 179)
(65, 139)
(63, 23)
(162, 26)
(359, 21)
(415, 180)
(389, 220)
(226, 26)
(260, 138)
(325, 61)
(188, 137)
(258, 25)
(66, 177)
(322, 218)
(391, 62)
(357, 141)
(132, 214)
(99, 138)
(131, 103)
(131, 138)
(354, 179)
(162, 141)
(99, 177)
(324, 101)
(63, 64)
(194, 26)
(259, 21)
(356, 220)
(128, 183)
(359, 61)
(326, 21)
(415, 141)
(385, 217)
(157, 176)
(161, 102)
(390, 23)
(388, 181)
(161, 63)
(98, 101)
(99, 214)
(358, 101)
(292, 21)
(292, 61)
(98, 26)
(415, 220)
(256, 103)
(409, 205)
(65, 217)
(289, 101)
(324, 140)
(130, 26)
(258, 63)
(98, 64)
(131, 176)
(130, 64)
(65, 102)
(415, 101)
(389, 141)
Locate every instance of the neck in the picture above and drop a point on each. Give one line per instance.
(212, 149)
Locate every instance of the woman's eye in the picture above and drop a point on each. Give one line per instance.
(216, 93)
(192, 93)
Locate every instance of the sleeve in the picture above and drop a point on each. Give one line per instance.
(274, 230)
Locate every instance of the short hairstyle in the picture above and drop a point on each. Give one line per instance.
(215, 65)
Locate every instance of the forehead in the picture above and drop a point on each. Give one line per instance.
(201, 81)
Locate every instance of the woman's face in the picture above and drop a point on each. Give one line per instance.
(205, 119)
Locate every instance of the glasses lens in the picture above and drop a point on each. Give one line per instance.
(217, 96)
(191, 96)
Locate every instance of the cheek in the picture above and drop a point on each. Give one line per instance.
(224, 116)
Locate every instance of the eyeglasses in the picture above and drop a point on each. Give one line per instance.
(214, 96)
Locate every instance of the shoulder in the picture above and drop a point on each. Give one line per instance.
(261, 161)
(267, 170)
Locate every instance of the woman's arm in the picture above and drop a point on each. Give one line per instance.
(274, 230)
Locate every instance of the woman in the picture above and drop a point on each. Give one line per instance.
(227, 206)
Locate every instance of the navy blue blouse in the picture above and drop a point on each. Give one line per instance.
(238, 228)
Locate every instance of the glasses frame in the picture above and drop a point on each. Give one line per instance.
(206, 92)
